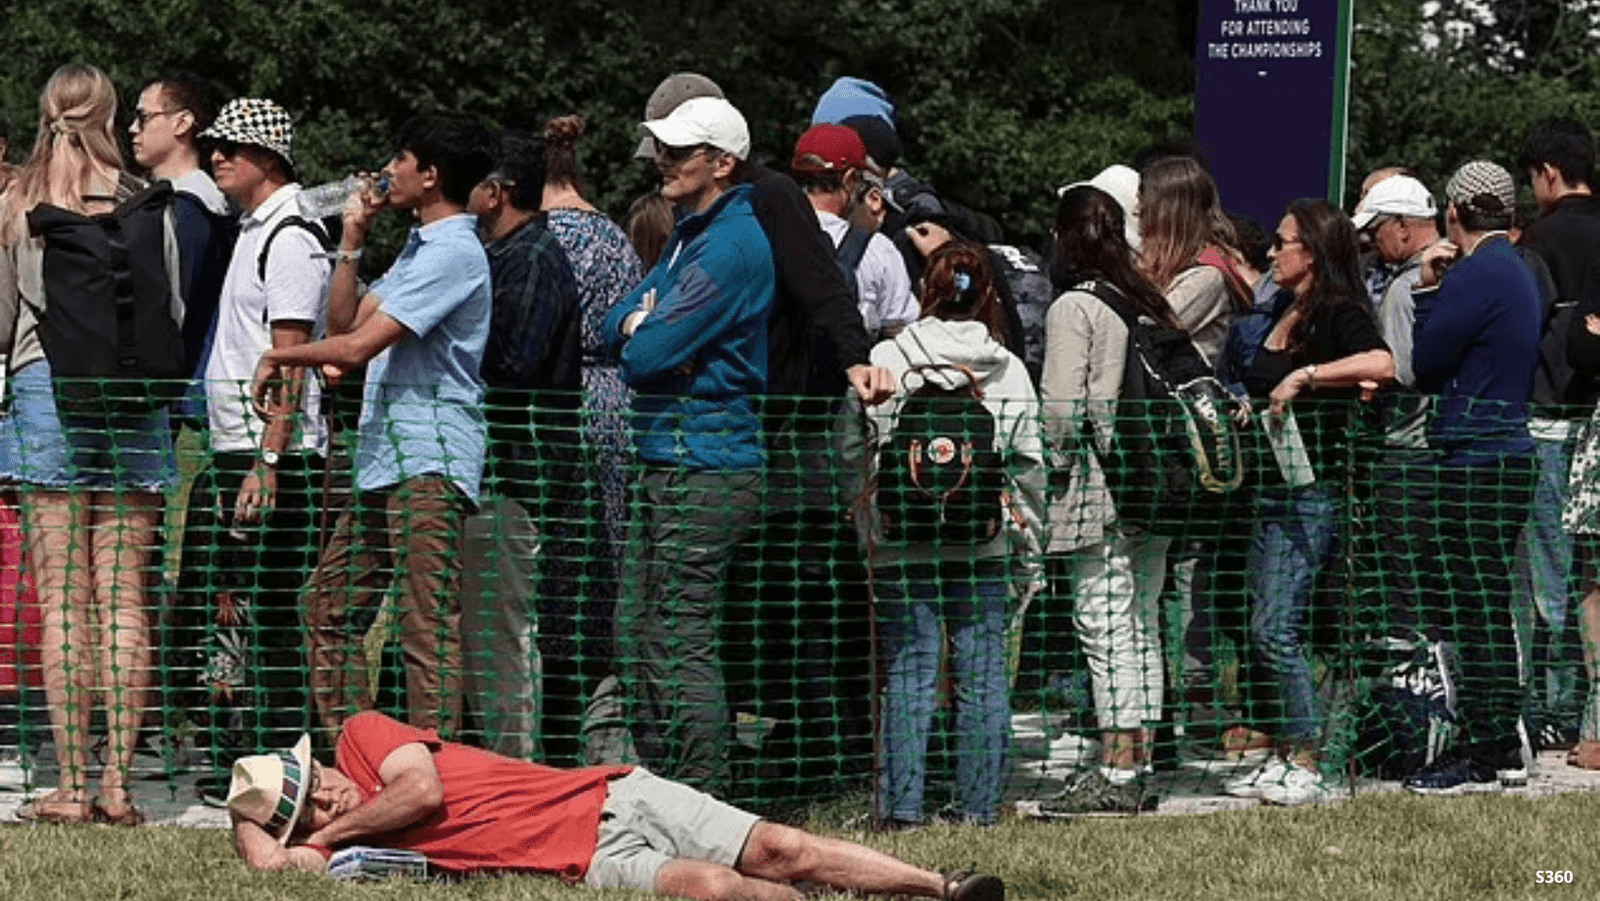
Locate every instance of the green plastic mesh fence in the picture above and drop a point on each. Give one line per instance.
(943, 619)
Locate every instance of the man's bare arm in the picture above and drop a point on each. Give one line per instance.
(335, 356)
(411, 791)
(260, 852)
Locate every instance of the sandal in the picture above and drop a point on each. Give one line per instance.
(1585, 756)
(970, 886)
(56, 808)
(124, 814)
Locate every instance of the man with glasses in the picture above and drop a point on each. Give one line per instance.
(247, 547)
(168, 119)
(1399, 216)
(533, 369)
(692, 340)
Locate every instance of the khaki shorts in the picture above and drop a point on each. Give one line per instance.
(648, 821)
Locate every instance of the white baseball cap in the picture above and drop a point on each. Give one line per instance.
(702, 120)
(1122, 183)
(1397, 195)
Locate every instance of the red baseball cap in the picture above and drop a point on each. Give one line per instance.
(829, 148)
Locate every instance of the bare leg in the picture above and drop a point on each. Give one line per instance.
(58, 554)
(708, 881)
(784, 854)
(123, 531)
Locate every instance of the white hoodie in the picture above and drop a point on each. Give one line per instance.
(1007, 394)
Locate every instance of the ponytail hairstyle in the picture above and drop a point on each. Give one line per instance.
(75, 152)
(561, 136)
(958, 286)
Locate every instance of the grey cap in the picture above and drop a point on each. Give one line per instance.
(668, 95)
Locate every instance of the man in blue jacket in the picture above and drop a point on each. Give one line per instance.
(1476, 345)
(692, 339)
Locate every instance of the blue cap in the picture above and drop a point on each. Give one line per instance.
(853, 97)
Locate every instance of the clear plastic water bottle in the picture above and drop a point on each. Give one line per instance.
(325, 201)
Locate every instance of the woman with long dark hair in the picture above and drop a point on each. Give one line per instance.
(1112, 572)
(91, 495)
(1323, 350)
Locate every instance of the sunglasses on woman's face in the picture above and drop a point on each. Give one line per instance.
(228, 149)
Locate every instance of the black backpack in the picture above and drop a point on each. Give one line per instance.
(848, 256)
(941, 475)
(317, 228)
(1176, 463)
(1023, 271)
(109, 328)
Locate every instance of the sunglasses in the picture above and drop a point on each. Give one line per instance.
(228, 149)
(1279, 242)
(143, 118)
(677, 156)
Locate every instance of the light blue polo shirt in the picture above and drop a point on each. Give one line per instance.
(422, 410)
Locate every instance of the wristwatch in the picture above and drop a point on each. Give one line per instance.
(270, 457)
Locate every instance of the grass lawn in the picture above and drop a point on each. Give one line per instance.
(1377, 846)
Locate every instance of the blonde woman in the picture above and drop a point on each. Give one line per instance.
(91, 493)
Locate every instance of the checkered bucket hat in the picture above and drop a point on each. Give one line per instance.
(254, 120)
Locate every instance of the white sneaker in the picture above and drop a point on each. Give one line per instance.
(1298, 786)
(16, 771)
(1257, 780)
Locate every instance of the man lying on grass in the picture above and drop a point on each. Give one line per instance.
(471, 811)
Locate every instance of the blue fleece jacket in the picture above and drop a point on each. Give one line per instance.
(699, 360)
(1476, 344)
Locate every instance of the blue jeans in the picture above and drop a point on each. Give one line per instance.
(1294, 533)
(970, 600)
(1542, 588)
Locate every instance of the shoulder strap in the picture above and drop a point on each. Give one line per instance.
(853, 247)
(293, 221)
(1112, 298)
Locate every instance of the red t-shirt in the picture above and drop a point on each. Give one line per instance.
(498, 813)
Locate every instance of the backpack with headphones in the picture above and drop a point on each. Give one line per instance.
(1176, 462)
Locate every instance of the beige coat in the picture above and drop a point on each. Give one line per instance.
(1086, 345)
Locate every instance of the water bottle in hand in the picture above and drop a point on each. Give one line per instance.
(327, 201)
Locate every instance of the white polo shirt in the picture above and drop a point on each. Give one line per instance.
(296, 288)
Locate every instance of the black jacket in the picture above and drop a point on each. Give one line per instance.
(816, 332)
(1568, 240)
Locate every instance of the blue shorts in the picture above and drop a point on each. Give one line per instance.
(39, 448)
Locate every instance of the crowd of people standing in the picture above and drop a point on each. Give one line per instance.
(580, 444)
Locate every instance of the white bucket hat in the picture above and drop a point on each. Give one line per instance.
(1122, 183)
(254, 120)
(270, 789)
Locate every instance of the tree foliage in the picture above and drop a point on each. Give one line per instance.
(1434, 85)
(1000, 100)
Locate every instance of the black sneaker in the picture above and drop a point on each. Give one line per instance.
(1454, 775)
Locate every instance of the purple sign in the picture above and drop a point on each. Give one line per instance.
(1270, 110)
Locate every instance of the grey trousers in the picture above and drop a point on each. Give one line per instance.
(498, 624)
(686, 527)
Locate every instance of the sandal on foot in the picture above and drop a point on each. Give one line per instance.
(53, 808)
(970, 886)
(124, 814)
(1585, 756)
